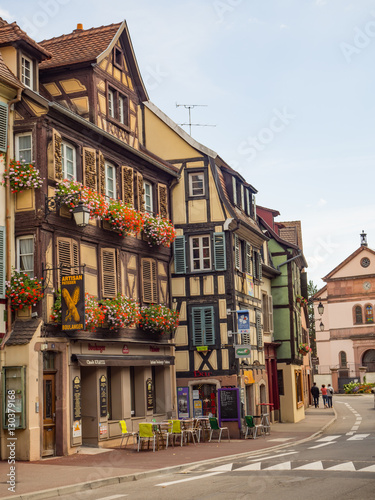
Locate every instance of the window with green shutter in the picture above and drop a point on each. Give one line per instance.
(179, 255)
(219, 252)
(3, 126)
(2, 262)
(203, 325)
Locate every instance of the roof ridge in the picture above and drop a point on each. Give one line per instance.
(76, 33)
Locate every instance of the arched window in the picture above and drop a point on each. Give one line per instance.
(343, 360)
(369, 314)
(368, 360)
(358, 320)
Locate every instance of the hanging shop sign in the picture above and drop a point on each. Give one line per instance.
(103, 396)
(242, 351)
(202, 348)
(183, 402)
(76, 398)
(243, 321)
(149, 394)
(73, 302)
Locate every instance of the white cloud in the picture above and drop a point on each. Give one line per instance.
(284, 26)
(322, 202)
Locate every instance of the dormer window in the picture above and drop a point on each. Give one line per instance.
(118, 106)
(117, 57)
(27, 72)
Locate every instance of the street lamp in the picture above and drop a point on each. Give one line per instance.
(81, 213)
(320, 308)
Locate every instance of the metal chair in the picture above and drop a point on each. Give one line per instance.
(164, 432)
(214, 424)
(265, 423)
(125, 433)
(190, 430)
(251, 427)
(146, 433)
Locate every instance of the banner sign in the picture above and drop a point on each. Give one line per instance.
(73, 302)
(243, 321)
(242, 351)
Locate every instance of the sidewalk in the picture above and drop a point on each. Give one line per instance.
(93, 467)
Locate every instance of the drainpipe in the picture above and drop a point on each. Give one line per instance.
(8, 261)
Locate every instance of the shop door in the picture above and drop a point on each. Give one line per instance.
(49, 414)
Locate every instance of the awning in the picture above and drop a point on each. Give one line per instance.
(101, 360)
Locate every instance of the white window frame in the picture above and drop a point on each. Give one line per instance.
(65, 145)
(108, 167)
(148, 197)
(191, 185)
(24, 77)
(30, 272)
(111, 103)
(200, 248)
(18, 136)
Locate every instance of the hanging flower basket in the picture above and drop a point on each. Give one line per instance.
(22, 175)
(158, 231)
(23, 290)
(304, 349)
(121, 312)
(157, 318)
(123, 219)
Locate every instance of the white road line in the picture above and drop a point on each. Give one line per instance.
(112, 497)
(279, 440)
(274, 456)
(321, 445)
(221, 468)
(189, 479)
(347, 466)
(355, 428)
(327, 438)
(350, 433)
(256, 466)
(282, 466)
(371, 468)
(358, 437)
(312, 466)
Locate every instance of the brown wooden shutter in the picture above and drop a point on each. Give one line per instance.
(163, 201)
(67, 255)
(149, 281)
(140, 193)
(89, 168)
(127, 177)
(131, 276)
(101, 174)
(109, 275)
(55, 157)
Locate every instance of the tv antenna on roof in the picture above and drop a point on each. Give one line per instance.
(190, 107)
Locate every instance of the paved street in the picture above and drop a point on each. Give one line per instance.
(338, 464)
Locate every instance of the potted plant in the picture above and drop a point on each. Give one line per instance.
(23, 290)
(304, 349)
(157, 318)
(22, 175)
(120, 312)
(158, 231)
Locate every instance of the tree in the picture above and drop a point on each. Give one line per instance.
(311, 290)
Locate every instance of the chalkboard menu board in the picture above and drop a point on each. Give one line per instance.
(229, 405)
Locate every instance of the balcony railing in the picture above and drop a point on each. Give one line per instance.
(349, 370)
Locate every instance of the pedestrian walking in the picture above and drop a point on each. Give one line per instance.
(330, 393)
(315, 394)
(324, 391)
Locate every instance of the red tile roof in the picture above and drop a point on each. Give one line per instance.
(10, 33)
(79, 46)
(7, 76)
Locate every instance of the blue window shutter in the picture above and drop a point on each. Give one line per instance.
(219, 252)
(209, 329)
(197, 326)
(3, 126)
(2, 262)
(179, 255)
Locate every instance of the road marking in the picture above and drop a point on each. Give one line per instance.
(279, 440)
(256, 466)
(112, 497)
(274, 456)
(321, 445)
(189, 479)
(282, 466)
(371, 468)
(358, 437)
(313, 466)
(355, 428)
(350, 433)
(222, 468)
(347, 466)
(328, 438)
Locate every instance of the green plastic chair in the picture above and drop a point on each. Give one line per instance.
(251, 427)
(146, 433)
(214, 424)
(125, 433)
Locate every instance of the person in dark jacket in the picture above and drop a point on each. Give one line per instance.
(315, 394)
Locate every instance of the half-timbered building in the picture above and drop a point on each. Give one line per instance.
(79, 121)
(216, 271)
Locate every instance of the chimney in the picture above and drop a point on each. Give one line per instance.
(79, 28)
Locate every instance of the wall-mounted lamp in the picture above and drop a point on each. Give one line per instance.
(320, 308)
(81, 213)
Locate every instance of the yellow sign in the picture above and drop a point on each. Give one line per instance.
(248, 376)
(72, 302)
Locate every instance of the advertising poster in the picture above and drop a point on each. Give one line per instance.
(77, 432)
(198, 408)
(243, 321)
(250, 285)
(183, 402)
(72, 302)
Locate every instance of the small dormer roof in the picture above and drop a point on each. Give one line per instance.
(11, 34)
(7, 76)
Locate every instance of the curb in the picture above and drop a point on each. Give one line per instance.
(99, 483)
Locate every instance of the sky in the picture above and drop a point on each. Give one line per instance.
(283, 91)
